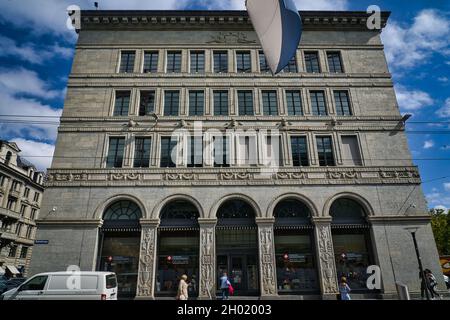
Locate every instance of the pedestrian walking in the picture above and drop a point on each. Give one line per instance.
(344, 289)
(182, 293)
(432, 284)
(225, 286)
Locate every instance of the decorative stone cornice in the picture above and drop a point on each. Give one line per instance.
(232, 176)
(223, 20)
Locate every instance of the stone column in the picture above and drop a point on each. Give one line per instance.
(325, 257)
(267, 268)
(207, 274)
(147, 260)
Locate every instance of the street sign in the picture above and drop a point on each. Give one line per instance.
(41, 241)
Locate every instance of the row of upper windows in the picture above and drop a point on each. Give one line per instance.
(240, 150)
(16, 186)
(245, 103)
(220, 63)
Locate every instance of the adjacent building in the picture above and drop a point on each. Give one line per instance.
(21, 188)
(161, 168)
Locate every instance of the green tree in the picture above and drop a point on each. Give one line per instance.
(440, 223)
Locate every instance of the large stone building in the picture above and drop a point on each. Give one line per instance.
(21, 188)
(135, 198)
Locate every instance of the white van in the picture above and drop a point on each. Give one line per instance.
(66, 286)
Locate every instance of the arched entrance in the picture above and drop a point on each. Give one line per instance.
(119, 245)
(237, 246)
(294, 249)
(351, 242)
(178, 248)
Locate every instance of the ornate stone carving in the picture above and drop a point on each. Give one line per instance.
(125, 176)
(235, 176)
(179, 176)
(231, 37)
(147, 263)
(207, 265)
(67, 177)
(290, 175)
(267, 260)
(343, 175)
(326, 259)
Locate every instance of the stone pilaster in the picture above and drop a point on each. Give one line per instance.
(207, 274)
(325, 257)
(147, 260)
(267, 268)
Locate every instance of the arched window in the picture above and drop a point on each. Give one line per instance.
(8, 157)
(235, 209)
(292, 212)
(179, 213)
(294, 248)
(347, 211)
(123, 210)
(351, 242)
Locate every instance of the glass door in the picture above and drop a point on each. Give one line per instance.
(237, 275)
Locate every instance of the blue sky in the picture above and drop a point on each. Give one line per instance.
(37, 50)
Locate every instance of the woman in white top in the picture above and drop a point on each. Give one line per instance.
(183, 288)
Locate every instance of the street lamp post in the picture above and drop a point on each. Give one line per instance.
(419, 260)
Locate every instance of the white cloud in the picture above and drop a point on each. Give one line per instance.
(443, 79)
(32, 53)
(441, 207)
(428, 144)
(38, 153)
(438, 200)
(23, 81)
(444, 112)
(409, 46)
(447, 186)
(412, 99)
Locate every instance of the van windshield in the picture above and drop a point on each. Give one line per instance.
(111, 281)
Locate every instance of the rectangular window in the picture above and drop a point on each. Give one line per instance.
(19, 228)
(325, 151)
(318, 105)
(342, 102)
(26, 193)
(243, 62)
(24, 252)
(350, 151)
(2, 180)
(142, 147)
(270, 103)
(23, 208)
(146, 103)
(221, 151)
(220, 61)
(12, 252)
(36, 197)
(263, 66)
(196, 103)
(195, 152)
(247, 151)
(15, 185)
(151, 61)
(335, 62)
(11, 205)
(174, 61)
(292, 66)
(294, 103)
(171, 103)
(274, 151)
(168, 152)
(127, 59)
(115, 153)
(33, 214)
(122, 103)
(221, 103)
(299, 150)
(197, 61)
(312, 62)
(245, 103)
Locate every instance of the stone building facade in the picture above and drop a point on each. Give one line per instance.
(21, 189)
(133, 200)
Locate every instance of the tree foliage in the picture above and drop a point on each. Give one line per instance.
(440, 223)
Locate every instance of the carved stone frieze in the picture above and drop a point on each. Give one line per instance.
(146, 273)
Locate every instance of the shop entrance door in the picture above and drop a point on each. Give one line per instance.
(242, 270)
